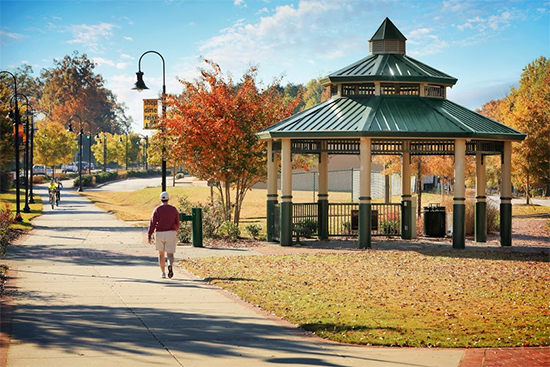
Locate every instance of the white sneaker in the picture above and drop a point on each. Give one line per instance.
(163, 275)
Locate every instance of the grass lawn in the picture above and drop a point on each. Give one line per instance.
(401, 298)
(398, 298)
(9, 199)
(36, 208)
(138, 205)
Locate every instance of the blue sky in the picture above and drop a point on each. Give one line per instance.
(485, 44)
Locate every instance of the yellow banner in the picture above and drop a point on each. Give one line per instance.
(150, 113)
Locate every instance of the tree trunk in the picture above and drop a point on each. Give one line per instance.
(527, 190)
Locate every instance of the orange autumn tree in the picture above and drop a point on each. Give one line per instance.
(213, 126)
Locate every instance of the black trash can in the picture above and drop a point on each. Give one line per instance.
(434, 220)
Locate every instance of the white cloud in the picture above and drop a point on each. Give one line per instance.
(100, 61)
(6, 37)
(262, 11)
(127, 38)
(240, 3)
(424, 42)
(483, 28)
(297, 30)
(91, 36)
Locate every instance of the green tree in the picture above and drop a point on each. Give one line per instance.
(529, 107)
(53, 144)
(313, 94)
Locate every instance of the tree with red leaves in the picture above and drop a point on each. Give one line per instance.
(212, 127)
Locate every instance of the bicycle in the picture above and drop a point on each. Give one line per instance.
(53, 198)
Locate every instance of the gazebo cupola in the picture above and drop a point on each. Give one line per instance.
(386, 104)
(388, 71)
(387, 40)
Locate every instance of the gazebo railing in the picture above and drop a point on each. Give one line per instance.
(343, 219)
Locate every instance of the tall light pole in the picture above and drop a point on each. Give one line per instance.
(126, 146)
(80, 133)
(139, 86)
(33, 129)
(104, 150)
(28, 164)
(17, 120)
(146, 138)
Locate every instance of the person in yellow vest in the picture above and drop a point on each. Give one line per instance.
(52, 189)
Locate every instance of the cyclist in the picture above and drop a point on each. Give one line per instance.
(52, 190)
(59, 188)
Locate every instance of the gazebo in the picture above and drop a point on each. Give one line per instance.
(391, 104)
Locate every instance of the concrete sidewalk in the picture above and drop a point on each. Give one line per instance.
(84, 289)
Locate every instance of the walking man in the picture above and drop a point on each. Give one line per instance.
(165, 222)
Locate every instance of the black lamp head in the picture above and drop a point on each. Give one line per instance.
(140, 84)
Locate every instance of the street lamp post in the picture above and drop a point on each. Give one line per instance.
(81, 132)
(146, 138)
(28, 164)
(31, 197)
(104, 150)
(17, 119)
(139, 86)
(90, 151)
(126, 146)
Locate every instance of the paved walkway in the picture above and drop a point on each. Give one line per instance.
(85, 290)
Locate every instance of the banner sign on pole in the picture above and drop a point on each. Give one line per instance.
(150, 113)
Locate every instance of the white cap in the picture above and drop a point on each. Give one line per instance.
(164, 196)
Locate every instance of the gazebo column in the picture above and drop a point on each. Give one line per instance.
(506, 196)
(322, 197)
(365, 213)
(406, 199)
(481, 201)
(286, 190)
(459, 204)
(271, 190)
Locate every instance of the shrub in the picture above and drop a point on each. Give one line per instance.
(493, 215)
(212, 215)
(310, 226)
(87, 180)
(254, 230)
(37, 179)
(230, 230)
(184, 233)
(5, 183)
(389, 227)
(6, 219)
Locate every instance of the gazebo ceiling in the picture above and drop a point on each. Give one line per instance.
(390, 116)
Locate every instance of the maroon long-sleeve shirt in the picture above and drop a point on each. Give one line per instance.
(165, 218)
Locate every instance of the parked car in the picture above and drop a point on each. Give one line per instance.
(73, 167)
(39, 169)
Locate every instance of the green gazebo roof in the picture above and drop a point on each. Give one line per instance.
(391, 117)
(387, 31)
(389, 67)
